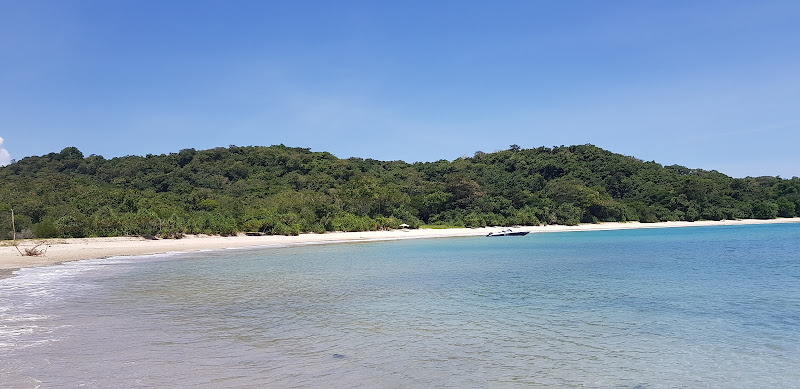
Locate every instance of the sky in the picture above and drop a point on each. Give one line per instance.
(713, 85)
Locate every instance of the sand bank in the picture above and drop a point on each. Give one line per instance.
(62, 250)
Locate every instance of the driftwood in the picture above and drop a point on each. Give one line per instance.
(34, 251)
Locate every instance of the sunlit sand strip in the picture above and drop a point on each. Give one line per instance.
(62, 250)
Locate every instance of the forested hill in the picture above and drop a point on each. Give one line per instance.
(284, 190)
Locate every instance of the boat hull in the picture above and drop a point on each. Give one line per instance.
(521, 233)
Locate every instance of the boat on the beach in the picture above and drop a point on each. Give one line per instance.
(509, 232)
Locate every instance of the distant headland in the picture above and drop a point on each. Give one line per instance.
(280, 190)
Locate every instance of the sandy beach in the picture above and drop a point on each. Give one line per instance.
(62, 250)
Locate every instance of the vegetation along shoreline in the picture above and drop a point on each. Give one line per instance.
(279, 190)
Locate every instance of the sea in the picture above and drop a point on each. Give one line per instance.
(694, 307)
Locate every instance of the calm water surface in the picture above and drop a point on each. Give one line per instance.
(684, 307)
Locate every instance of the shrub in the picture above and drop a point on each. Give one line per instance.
(45, 229)
(348, 222)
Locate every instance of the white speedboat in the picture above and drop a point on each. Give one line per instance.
(509, 232)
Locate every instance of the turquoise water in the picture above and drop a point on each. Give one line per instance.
(681, 307)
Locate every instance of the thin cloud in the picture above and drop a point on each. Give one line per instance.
(5, 157)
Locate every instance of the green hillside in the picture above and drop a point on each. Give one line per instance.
(284, 190)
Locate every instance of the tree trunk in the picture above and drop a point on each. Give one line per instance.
(13, 227)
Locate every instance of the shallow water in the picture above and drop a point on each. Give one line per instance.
(684, 307)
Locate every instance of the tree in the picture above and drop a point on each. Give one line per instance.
(765, 209)
(223, 190)
(464, 189)
(8, 208)
(786, 208)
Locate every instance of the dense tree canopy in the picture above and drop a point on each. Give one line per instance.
(285, 190)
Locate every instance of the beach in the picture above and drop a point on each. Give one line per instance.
(63, 250)
(634, 306)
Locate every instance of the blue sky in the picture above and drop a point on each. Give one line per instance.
(705, 84)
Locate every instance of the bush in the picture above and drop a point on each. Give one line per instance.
(474, 220)
(526, 217)
(388, 222)
(349, 223)
(568, 214)
(317, 228)
(45, 229)
(284, 229)
(222, 224)
(692, 214)
(72, 225)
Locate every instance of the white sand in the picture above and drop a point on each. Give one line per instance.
(61, 250)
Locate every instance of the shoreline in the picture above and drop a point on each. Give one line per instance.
(64, 250)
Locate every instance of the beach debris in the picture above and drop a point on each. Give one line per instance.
(339, 356)
(35, 251)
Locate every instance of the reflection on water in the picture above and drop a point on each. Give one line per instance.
(710, 307)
